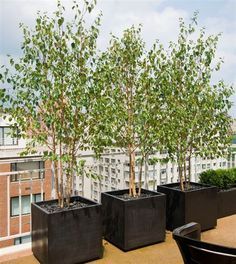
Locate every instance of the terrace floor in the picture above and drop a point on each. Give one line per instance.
(165, 253)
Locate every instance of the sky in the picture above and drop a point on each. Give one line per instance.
(159, 19)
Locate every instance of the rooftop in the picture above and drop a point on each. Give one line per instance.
(166, 252)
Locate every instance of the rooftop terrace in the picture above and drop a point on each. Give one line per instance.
(166, 252)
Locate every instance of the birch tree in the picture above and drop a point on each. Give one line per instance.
(126, 81)
(51, 96)
(197, 120)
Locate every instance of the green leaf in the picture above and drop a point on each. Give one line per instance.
(17, 67)
(60, 21)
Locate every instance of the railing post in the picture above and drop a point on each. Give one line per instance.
(20, 206)
(31, 195)
(31, 185)
(41, 180)
(8, 205)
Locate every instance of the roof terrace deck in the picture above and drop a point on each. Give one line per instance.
(164, 253)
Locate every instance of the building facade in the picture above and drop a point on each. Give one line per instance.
(113, 168)
(22, 180)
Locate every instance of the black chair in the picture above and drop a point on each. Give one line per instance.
(195, 251)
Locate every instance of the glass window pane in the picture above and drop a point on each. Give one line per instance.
(17, 241)
(7, 136)
(15, 206)
(25, 166)
(37, 197)
(32, 165)
(26, 239)
(25, 204)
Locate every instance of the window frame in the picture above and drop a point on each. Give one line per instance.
(14, 140)
(15, 177)
(33, 201)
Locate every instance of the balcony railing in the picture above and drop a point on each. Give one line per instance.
(18, 186)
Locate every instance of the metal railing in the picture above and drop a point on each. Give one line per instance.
(22, 176)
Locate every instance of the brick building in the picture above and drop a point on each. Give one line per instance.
(22, 180)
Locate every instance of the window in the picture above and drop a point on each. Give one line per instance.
(163, 171)
(113, 181)
(208, 165)
(106, 160)
(37, 197)
(5, 137)
(25, 166)
(113, 171)
(151, 173)
(113, 161)
(22, 240)
(25, 204)
(100, 168)
(203, 166)
(198, 166)
(224, 164)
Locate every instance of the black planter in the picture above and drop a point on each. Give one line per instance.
(183, 207)
(72, 236)
(226, 202)
(130, 224)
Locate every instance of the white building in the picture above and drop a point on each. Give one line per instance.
(113, 168)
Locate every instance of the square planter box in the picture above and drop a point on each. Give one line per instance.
(71, 236)
(226, 202)
(182, 207)
(130, 224)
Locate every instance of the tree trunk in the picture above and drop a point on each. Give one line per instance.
(132, 173)
(130, 177)
(61, 178)
(181, 175)
(55, 168)
(185, 174)
(180, 164)
(140, 176)
(146, 172)
(189, 166)
(153, 177)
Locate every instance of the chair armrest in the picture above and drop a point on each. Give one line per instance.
(191, 230)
